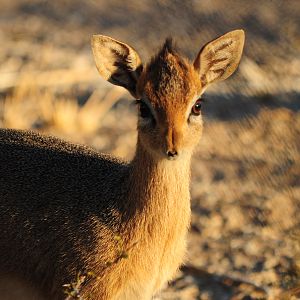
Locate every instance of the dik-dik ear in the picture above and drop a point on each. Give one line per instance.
(117, 62)
(218, 59)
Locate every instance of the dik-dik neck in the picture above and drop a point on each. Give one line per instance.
(159, 187)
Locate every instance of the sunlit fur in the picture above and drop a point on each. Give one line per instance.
(171, 85)
(66, 209)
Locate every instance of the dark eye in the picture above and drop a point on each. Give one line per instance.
(144, 110)
(196, 109)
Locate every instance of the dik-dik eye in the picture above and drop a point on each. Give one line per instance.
(196, 109)
(144, 110)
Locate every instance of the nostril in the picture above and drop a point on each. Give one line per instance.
(172, 153)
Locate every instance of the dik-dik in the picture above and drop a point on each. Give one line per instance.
(63, 205)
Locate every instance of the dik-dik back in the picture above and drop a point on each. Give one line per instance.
(54, 197)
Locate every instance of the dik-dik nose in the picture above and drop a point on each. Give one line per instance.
(173, 141)
(172, 154)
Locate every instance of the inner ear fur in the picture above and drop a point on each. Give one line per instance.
(117, 62)
(218, 59)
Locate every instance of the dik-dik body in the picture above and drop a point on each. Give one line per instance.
(63, 205)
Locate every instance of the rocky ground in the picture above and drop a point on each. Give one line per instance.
(244, 241)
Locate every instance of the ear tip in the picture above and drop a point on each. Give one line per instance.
(239, 33)
(96, 38)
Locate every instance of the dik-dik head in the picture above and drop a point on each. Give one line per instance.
(168, 89)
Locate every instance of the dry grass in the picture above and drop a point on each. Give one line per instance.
(32, 107)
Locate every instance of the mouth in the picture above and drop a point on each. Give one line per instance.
(172, 157)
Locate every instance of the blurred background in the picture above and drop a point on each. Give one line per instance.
(244, 241)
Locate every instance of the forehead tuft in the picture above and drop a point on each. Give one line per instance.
(169, 73)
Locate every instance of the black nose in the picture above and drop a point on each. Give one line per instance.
(172, 153)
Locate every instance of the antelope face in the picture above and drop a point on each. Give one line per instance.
(168, 90)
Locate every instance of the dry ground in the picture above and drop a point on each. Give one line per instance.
(244, 241)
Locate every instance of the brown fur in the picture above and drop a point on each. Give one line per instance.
(63, 205)
(170, 82)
